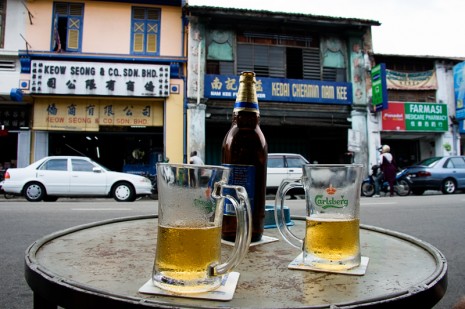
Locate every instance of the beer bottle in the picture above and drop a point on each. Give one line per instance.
(245, 150)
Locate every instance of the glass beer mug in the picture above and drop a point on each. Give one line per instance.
(190, 214)
(332, 199)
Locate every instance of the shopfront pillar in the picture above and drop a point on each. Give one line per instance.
(196, 129)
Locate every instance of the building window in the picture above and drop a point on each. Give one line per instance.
(264, 60)
(220, 55)
(145, 31)
(412, 95)
(279, 55)
(220, 67)
(67, 27)
(2, 22)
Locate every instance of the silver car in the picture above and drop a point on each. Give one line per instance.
(72, 176)
(446, 174)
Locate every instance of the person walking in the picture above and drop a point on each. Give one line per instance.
(388, 167)
(195, 158)
(196, 176)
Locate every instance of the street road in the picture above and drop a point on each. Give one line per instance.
(437, 219)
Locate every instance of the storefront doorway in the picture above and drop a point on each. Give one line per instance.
(113, 149)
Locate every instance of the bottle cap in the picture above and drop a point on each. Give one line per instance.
(246, 99)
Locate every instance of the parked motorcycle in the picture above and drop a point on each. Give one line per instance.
(402, 186)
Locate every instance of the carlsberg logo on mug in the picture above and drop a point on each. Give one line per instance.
(331, 201)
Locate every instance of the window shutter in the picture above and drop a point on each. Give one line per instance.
(151, 43)
(61, 8)
(152, 34)
(73, 39)
(311, 63)
(138, 13)
(329, 74)
(277, 61)
(226, 68)
(261, 60)
(75, 9)
(153, 14)
(73, 34)
(244, 57)
(138, 45)
(138, 29)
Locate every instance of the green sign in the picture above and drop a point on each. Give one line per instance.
(379, 98)
(426, 117)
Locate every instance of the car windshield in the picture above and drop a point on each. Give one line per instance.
(429, 162)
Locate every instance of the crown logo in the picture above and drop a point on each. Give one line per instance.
(331, 190)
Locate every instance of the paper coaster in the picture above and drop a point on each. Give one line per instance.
(297, 263)
(224, 292)
(264, 240)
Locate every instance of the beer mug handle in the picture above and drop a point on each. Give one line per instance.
(284, 187)
(243, 231)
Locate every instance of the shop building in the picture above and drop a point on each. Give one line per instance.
(313, 80)
(15, 111)
(104, 79)
(419, 121)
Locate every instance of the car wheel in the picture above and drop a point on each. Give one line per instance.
(418, 191)
(448, 186)
(368, 189)
(402, 188)
(123, 192)
(34, 192)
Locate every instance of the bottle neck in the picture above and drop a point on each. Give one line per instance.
(246, 106)
(245, 119)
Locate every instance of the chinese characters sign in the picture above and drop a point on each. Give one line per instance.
(281, 89)
(93, 78)
(14, 117)
(411, 81)
(428, 117)
(85, 115)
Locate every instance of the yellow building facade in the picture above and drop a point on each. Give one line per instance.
(105, 80)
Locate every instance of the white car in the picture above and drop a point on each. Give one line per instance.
(72, 176)
(283, 166)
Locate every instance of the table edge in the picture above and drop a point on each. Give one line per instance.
(38, 277)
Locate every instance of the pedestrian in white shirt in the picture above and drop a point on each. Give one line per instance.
(195, 159)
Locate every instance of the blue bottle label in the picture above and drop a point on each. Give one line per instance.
(240, 175)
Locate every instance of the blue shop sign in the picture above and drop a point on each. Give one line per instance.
(459, 90)
(282, 90)
(462, 126)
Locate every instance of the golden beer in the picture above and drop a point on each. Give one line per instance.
(184, 253)
(332, 243)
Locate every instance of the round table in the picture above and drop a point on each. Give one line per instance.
(103, 265)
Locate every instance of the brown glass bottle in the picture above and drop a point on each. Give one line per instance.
(245, 146)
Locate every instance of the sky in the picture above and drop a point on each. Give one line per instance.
(408, 27)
